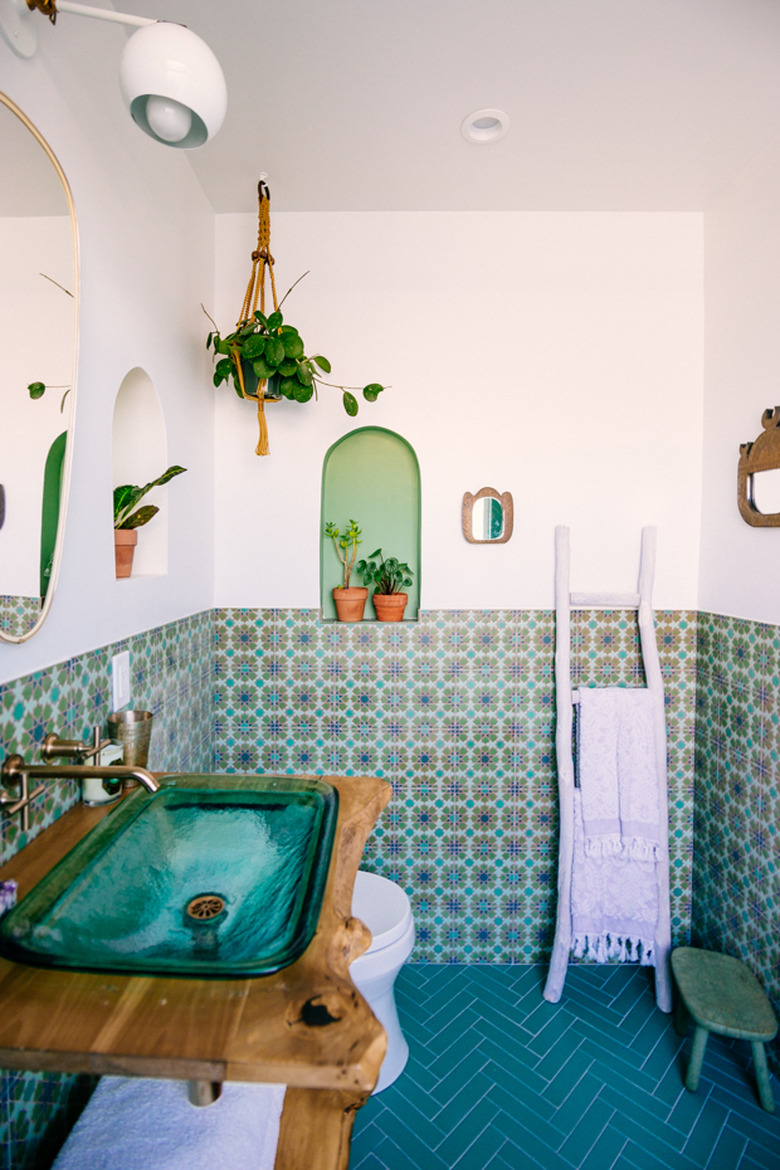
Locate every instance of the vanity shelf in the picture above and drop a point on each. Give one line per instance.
(305, 1026)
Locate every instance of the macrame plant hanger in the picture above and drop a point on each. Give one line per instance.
(262, 265)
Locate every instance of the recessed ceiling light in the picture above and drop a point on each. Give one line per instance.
(485, 126)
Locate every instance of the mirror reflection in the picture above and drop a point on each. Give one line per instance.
(38, 323)
(765, 491)
(488, 516)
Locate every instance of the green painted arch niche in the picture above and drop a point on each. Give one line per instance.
(372, 476)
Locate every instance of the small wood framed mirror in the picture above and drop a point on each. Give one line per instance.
(758, 475)
(488, 516)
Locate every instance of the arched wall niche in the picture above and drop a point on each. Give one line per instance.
(140, 453)
(372, 476)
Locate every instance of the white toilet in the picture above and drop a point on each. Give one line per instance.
(385, 909)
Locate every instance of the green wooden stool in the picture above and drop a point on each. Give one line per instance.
(722, 995)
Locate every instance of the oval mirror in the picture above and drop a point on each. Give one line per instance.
(38, 344)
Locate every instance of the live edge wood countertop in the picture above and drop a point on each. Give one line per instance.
(305, 1026)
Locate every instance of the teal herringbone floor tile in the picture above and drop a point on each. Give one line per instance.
(499, 1079)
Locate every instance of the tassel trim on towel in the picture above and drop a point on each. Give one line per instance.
(613, 845)
(603, 948)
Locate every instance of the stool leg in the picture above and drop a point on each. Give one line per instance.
(700, 1037)
(680, 1016)
(762, 1076)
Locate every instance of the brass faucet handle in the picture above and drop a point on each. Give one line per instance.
(12, 771)
(54, 748)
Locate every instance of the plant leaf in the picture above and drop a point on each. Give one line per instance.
(262, 369)
(126, 496)
(253, 346)
(274, 351)
(293, 345)
(275, 320)
(350, 403)
(304, 373)
(222, 370)
(372, 391)
(302, 393)
(142, 516)
(322, 362)
(37, 389)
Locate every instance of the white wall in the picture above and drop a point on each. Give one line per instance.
(740, 565)
(556, 356)
(146, 234)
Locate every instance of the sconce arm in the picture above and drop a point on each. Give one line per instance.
(50, 8)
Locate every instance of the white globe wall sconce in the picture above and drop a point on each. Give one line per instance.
(170, 80)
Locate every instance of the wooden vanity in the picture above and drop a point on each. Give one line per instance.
(306, 1026)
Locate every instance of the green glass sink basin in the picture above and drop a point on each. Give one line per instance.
(212, 876)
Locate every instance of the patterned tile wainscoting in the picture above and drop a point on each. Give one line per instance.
(18, 614)
(172, 676)
(736, 892)
(457, 711)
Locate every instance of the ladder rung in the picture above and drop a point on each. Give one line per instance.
(604, 600)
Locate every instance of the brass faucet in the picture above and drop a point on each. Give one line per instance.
(15, 771)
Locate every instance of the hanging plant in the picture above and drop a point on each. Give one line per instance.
(264, 357)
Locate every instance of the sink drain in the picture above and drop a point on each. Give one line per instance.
(205, 907)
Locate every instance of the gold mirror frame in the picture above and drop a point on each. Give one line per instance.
(67, 462)
(507, 507)
(761, 455)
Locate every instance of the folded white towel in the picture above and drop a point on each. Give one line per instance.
(134, 1123)
(618, 773)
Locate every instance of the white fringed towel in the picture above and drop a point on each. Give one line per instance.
(614, 888)
(135, 1123)
(614, 903)
(618, 774)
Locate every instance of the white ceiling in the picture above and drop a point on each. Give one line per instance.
(356, 105)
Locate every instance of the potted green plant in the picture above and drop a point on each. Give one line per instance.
(265, 355)
(350, 600)
(128, 518)
(389, 577)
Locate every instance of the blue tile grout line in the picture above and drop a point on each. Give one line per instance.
(480, 1092)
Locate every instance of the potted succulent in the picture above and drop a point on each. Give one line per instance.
(389, 577)
(350, 600)
(128, 517)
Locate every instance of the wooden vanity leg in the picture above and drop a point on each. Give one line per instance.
(316, 1129)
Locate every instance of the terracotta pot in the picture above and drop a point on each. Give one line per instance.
(125, 540)
(350, 603)
(389, 607)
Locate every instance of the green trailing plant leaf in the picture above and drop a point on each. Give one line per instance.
(38, 389)
(275, 349)
(253, 346)
(127, 495)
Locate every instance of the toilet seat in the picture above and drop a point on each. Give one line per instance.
(383, 907)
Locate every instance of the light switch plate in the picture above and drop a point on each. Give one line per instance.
(120, 680)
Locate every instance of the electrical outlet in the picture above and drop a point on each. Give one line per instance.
(120, 679)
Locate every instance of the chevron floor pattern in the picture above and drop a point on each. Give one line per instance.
(499, 1079)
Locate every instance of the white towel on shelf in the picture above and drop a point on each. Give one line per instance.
(134, 1123)
(618, 773)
